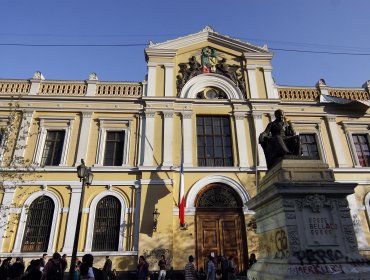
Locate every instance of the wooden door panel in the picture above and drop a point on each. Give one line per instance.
(219, 233)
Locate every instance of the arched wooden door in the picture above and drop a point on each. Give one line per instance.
(220, 226)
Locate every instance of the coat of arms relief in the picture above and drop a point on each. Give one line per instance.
(210, 62)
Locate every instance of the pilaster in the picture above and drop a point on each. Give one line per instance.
(258, 126)
(338, 147)
(148, 138)
(168, 138)
(252, 79)
(152, 79)
(241, 139)
(187, 138)
(84, 137)
(76, 191)
(168, 86)
(5, 210)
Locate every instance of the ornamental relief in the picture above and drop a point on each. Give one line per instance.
(210, 62)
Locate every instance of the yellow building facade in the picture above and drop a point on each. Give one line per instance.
(204, 102)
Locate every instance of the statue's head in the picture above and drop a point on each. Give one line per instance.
(279, 114)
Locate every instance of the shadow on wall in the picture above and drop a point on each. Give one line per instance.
(153, 195)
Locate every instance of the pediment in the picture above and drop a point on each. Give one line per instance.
(206, 35)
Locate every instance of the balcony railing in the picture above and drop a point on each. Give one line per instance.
(298, 94)
(352, 94)
(57, 88)
(15, 87)
(118, 89)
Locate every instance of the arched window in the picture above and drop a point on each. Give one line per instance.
(38, 225)
(107, 224)
(218, 196)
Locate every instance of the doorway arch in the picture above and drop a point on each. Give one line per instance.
(220, 225)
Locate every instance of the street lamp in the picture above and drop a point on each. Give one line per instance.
(86, 177)
(155, 219)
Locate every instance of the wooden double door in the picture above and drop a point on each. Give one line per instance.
(220, 233)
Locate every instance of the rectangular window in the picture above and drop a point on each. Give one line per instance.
(309, 145)
(53, 148)
(361, 143)
(214, 141)
(113, 154)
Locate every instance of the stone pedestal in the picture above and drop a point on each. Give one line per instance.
(304, 225)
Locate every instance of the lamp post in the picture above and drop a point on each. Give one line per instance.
(86, 177)
(155, 219)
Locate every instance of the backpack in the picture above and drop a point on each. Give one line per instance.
(55, 272)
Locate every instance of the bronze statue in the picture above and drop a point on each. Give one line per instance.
(279, 140)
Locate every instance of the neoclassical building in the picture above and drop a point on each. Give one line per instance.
(204, 102)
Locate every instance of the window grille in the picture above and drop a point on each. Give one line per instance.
(53, 147)
(361, 143)
(113, 155)
(214, 141)
(107, 224)
(38, 225)
(309, 145)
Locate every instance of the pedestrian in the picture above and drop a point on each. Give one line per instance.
(224, 266)
(33, 271)
(107, 268)
(252, 260)
(17, 269)
(231, 268)
(87, 271)
(113, 275)
(43, 261)
(64, 263)
(211, 269)
(142, 269)
(53, 268)
(162, 268)
(190, 271)
(4, 269)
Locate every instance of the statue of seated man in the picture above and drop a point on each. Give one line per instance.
(279, 140)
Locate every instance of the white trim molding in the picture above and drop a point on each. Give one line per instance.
(24, 217)
(202, 81)
(91, 219)
(367, 207)
(53, 123)
(199, 185)
(354, 127)
(311, 127)
(113, 124)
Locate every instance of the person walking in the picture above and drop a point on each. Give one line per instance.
(4, 269)
(190, 271)
(17, 269)
(232, 268)
(142, 269)
(33, 271)
(43, 261)
(107, 268)
(224, 267)
(162, 268)
(211, 269)
(252, 260)
(53, 268)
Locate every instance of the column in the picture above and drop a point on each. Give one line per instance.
(22, 136)
(187, 138)
(5, 209)
(271, 89)
(168, 86)
(252, 79)
(84, 137)
(152, 78)
(258, 126)
(241, 139)
(338, 147)
(148, 139)
(72, 218)
(167, 138)
(137, 216)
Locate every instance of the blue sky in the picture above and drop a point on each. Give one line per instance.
(315, 25)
